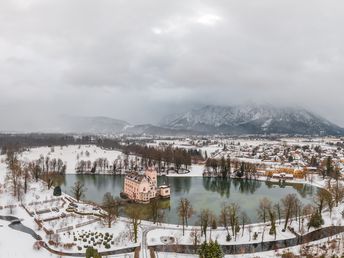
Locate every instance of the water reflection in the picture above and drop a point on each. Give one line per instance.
(208, 193)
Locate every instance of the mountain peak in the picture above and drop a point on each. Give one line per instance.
(252, 119)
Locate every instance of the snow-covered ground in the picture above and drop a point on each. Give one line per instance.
(154, 236)
(41, 202)
(15, 244)
(71, 154)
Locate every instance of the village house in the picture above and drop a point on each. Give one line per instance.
(143, 188)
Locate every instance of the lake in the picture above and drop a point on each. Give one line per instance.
(202, 192)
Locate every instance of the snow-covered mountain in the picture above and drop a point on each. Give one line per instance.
(231, 120)
(252, 119)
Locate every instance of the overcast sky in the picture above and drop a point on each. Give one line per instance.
(138, 60)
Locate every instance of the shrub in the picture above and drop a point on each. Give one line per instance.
(288, 255)
(92, 252)
(37, 245)
(68, 245)
(57, 191)
(315, 221)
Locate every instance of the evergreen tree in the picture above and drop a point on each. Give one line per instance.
(210, 250)
(57, 191)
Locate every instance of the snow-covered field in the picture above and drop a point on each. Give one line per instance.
(71, 154)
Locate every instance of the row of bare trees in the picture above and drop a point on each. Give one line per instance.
(21, 174)
(162, 157)
(287, 210)
(100, 164)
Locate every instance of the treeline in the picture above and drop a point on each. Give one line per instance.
(18, 142)
(136, 157)
(163, 157)
(225, 167)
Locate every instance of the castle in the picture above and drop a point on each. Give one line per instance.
(143, 188)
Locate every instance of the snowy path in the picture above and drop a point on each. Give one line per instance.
(259, 247)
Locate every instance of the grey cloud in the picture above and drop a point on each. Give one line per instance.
(137, 60)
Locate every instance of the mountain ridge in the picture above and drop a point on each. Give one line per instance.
(252, 119)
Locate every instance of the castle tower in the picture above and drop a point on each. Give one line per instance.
(152, 174)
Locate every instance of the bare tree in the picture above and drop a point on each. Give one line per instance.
(263, 209)
(272, 216)
(134, 214)
(234, 209)
(195, 236)
(329, 201)
(156, 212)
(338, 193)
(205, 217)
(320, 198)
(224, 218)
(14, 171)
(78, 190)
(50, 178)
(277, 208)
(26, 177)
(185, 211)
(110, 205)
(36, 170)
(288, 204)
(245, 219)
